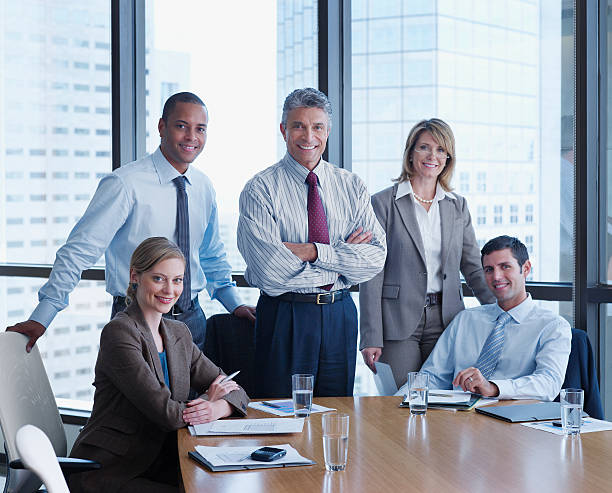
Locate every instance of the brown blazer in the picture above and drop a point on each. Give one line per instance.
(134, 410)
(391, 304)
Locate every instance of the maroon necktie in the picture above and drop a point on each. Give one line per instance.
(317, 220)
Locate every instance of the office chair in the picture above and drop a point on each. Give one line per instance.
(581, 373)
(38, 456)
(230, 344)
(26, 398)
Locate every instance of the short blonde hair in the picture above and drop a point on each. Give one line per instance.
(443, 135)
(147, 254)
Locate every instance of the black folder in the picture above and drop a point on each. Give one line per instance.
(540, 411)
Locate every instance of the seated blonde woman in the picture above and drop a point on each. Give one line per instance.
(145, 368)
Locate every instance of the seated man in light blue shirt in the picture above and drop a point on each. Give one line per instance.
(142, 199)
(512, 349)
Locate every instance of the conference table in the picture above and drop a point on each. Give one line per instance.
(390, 450)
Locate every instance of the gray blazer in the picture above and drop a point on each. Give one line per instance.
(134, 411)
(391, 304)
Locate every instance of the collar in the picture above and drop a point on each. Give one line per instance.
(519, 313)
(165, 171)
(299, 172)
(134, 311)
(405, 188)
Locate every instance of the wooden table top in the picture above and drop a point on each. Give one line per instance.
(390, 450)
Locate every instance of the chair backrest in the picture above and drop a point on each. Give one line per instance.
(582, 373)
(230, 343)
(25, 398)
(37, 454)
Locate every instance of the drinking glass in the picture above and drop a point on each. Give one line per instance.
(418, 388)
(335, 440)
(572, 401)
(302, 386)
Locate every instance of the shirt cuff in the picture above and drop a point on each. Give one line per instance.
(229, 298)
(44, 313)
(324, 254)
(505, 389)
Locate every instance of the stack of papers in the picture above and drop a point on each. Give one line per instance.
(284, 407)
(455, 399)
(238, 458)
(263, 426)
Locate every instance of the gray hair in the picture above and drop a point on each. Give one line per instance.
(306, 98)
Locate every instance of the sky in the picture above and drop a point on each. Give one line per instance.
(233, 69)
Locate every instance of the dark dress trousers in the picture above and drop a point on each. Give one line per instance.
(135, 415)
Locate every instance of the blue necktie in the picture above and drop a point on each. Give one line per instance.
(489, 356)
(182, 237)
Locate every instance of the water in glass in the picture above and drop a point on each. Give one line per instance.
(418, 400)
(335, 448)
(571, 416)
(302, 403)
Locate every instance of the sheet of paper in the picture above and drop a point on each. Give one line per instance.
(485, 401)
(250, 426)
(235, 456)
(437, 396)
(384, 380)
(589, 425)
(285, 407)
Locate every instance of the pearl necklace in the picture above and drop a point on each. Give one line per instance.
(421, 199)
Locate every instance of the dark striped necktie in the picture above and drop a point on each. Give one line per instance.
(182, 237)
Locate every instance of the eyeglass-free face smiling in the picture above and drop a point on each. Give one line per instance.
(160, 287)
(306, 135)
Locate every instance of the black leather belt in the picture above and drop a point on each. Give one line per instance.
(433, 299)
(319, 298)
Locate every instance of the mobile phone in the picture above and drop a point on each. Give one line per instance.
(268, 454)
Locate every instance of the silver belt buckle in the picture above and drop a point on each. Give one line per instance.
(319, 302)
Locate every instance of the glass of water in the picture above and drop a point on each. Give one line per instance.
(572, 401)
(302, 386)
(418, 388)
(335, 440)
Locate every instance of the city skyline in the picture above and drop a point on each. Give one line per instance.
(508, 138)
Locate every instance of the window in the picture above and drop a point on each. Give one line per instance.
(513, 214)
(481, 218)
(498, 211)
(529, 213)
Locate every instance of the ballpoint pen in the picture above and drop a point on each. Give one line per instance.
(271, 404)
(230, 377)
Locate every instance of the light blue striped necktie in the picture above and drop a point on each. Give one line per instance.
(182, 237)
(489, 356)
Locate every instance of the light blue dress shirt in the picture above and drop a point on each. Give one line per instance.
(273, 210)
(133, 203)
(533, 360)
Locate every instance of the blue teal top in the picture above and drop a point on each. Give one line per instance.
(164, 365)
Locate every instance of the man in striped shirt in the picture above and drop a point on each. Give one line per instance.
(307, 232)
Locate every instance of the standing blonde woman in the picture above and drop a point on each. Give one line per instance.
(144, 370)
(430, 239)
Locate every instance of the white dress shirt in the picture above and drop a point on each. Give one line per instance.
(431, 232)
(533, 361)
(273, 210)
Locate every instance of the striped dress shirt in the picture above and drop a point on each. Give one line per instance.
(273, 210)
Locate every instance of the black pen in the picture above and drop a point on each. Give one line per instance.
(271, 404)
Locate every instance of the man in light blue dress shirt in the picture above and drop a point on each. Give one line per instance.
(135, 202)
(536, 345)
